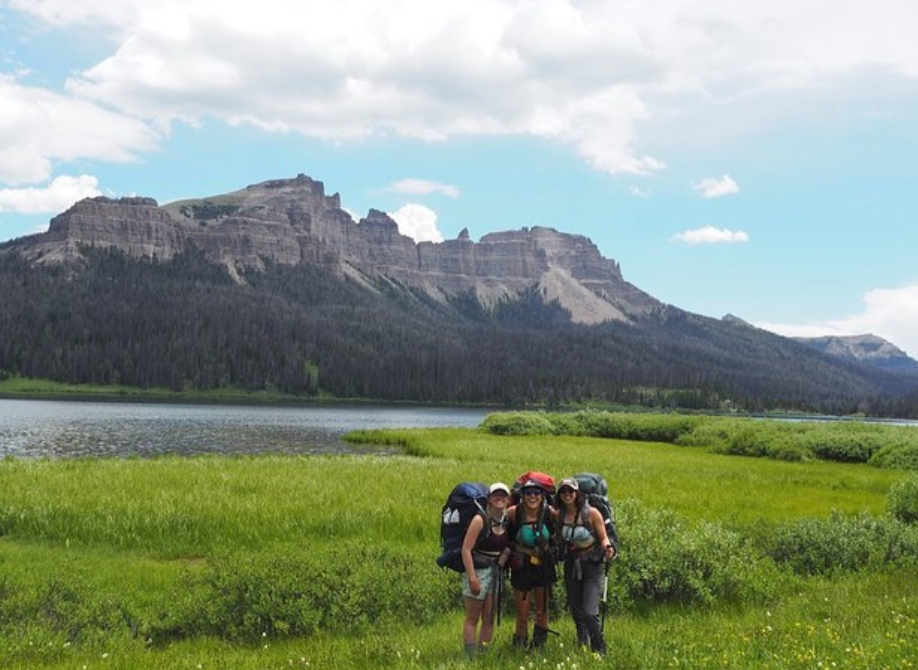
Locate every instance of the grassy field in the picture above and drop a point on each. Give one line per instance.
(327, 562)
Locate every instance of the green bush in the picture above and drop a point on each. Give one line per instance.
(664, 559)
(518, 423)
(67, 607)
(897, 457)
(903, 500)
(642, 427)
(347, 588)
(843, 543)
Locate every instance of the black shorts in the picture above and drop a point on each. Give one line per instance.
(529, 577)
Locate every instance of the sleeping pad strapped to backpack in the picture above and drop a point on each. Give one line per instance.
(464, 502)
(596, 491)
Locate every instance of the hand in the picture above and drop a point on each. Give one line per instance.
(610, 552)
(474, 586)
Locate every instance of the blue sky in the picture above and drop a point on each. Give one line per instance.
(758, 159)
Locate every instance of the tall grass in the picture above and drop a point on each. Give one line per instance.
(284, 561)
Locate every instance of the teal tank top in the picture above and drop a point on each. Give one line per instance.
(528, 537)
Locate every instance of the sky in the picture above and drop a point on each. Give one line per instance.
(739, 157)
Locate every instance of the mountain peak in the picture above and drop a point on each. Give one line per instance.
(293, 221)
(867, 348)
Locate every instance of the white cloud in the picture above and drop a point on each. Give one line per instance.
(417, 222)
(422, 187)
(592, 75)
(888, 313)
(712, 187)
(39, 127)
(57, 196)
(711, 235)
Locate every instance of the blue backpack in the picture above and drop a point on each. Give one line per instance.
(464, 502)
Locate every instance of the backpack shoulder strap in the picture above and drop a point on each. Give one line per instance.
(485, 523)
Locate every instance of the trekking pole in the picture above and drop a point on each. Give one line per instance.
(500, 592)
(605, 595)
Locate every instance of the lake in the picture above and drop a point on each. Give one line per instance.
(62, 429)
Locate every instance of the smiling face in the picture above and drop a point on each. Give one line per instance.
(498, 499)
(532, 496)
(568, 495)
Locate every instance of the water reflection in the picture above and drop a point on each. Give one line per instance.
(58, 429)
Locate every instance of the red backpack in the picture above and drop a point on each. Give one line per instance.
(546, 482)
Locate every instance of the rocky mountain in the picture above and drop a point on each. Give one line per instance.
(293, 221)
(868, 349)
(275, 286)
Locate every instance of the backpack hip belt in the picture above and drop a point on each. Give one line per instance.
(580, 551)
(485, 559)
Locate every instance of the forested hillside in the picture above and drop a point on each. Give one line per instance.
(297, 329)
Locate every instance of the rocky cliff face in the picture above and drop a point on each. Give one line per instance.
(290, 221)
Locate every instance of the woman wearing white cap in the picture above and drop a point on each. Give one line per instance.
(587, 546)
(485, 540)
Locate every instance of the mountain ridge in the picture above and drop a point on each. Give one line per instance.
(291, 221)
(276, 286)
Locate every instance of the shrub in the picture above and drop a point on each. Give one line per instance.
(664, 559)
(767, 442)
(903, 500)
(897, 456)
(642, 427)
(843, 543)
(68, 607)
(846, 443)
(518, 423)
(345, 588)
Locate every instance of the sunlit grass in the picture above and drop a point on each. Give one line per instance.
(133, 532)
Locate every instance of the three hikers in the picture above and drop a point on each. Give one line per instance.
(530, 531)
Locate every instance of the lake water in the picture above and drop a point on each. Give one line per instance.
(60, 429)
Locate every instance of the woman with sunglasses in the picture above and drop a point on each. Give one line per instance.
(532, 565)
(485, 540)
(586, 546)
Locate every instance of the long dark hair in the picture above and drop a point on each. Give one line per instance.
(579, 501)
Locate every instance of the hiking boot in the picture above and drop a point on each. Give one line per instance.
(539, 636)
(521, 641)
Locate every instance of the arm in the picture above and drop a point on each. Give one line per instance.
(468, 544)
(602, 537)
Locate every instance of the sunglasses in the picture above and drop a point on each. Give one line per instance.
(566, 491)
(532, 492)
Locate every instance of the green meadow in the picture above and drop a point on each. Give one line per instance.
(727, 561)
